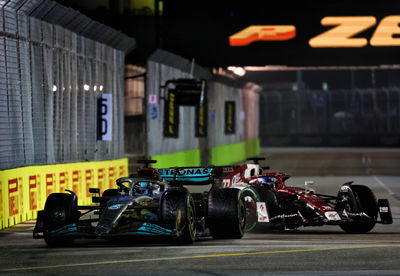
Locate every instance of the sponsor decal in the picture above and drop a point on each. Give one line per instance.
(226, 183)
(236, 179)
(347, 27)
(112, 176)
(190, 174)
(65, 230)
(50, 183)
(33, 192)
(383, 209)
(153, 111)
(101, 178)
(13, 196)
(262, 212)
(230, 115)
(63, 181)
(104, 117)
(115, 206)
(152, 99)
(171, 116)
(76, 180)
(150, 228)
(343, 34)
(201, 121)
(88, 181)
(332, 215)
(182, 172)
(262, 33)
(122, 171)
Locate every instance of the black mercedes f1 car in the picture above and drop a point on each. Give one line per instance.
(154, 202)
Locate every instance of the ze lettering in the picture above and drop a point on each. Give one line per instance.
(346, 27)
(262, 33)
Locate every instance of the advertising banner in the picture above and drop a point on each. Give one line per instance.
(171, 115)
(23, 191)
(201, 120)
(230, 115)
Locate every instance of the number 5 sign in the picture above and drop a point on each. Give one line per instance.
(104, 117)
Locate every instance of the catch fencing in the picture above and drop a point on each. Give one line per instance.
(359, 117)
(54, 62)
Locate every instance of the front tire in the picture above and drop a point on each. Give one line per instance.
(359, 199)
(178, 212)
(59, 211)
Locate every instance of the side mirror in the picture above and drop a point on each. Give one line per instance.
(94, 190)
(95, 194)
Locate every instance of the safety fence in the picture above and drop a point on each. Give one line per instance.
(55, 63)
(360, 117)
(23, 191)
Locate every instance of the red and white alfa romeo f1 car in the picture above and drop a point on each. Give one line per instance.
(273, 205)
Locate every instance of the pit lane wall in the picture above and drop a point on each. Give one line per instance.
(23, 191)
(232, 117)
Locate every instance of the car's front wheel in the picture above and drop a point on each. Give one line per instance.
(59, 212)
(359, 202)
(178, 213)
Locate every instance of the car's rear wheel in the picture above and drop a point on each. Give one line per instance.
(178, 213)
(356, 200)
(226, 214)
(59, 212)
(250, 201)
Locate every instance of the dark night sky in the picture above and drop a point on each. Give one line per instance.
(200, 30)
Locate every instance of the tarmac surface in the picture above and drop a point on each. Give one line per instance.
(325, 250)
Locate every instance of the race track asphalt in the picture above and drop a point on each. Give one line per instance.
(323, 250)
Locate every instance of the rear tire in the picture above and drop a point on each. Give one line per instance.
(359, 199)
(59, 211)
(250, 200)
(178, 212)
(226, 214)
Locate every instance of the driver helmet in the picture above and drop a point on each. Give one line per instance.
(144, 188)
(270, 181)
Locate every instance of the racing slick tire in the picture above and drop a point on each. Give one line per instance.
(59, 211)
(178, 212)
(359, 199)
(250, 200)
(226, 213)
(267, 195)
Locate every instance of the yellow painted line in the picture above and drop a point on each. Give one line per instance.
(197, 257)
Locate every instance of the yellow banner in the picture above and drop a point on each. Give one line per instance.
(23, 191)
